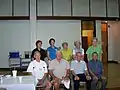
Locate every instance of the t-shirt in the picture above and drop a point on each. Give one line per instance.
(52, 52)
(38, 69)
(67, 54)
(78, 67)
(75, 50)
(59, 68)
(92, 49)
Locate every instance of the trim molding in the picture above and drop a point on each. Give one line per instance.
(14, 18)
(76, 18)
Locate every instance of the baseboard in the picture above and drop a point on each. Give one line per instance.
(113, 61)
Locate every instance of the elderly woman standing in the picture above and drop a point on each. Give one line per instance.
(66, 52)
(78, 48)
(95, 47)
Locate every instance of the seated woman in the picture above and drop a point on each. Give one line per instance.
(80, 72)
(38, 68)
(96, 70)
(38, 48)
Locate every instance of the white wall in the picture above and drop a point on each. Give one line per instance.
(114, 42)
(14, 35)
(61, 30)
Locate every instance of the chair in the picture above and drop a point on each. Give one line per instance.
(83, 84)
(14, 60)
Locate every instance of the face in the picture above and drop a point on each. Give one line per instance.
(78, 56)
(94, 42)
(52, 42)
(95, 56)
(39, 45)
(37, 56)
(65, 46)
(59, 55)
(78, 44)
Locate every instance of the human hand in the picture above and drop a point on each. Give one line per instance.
(88, 77)
(40, 82)
(77, 78)
(103, 77)
(95, 78)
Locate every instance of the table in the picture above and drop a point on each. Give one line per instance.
(10, 83)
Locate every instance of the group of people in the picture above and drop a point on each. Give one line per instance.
(61, 64)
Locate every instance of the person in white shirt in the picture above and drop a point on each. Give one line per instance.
(38, 69)
(80, 72)
(77, 48)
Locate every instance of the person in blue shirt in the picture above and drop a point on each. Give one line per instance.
(52, 49)
(96, 71)
(80, 72)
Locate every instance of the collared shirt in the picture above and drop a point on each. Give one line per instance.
(75, 50)
(67, 54)
(59, 68)
(92, 49)
(38, 69)
(42, 52)
(52, 52)
(96, 67)
(78, 67)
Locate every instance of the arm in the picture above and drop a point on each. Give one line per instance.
(74, 54)
(48, 55)
(51, 74)
(67, 69)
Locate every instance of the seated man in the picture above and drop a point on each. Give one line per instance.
(96, 70)
(38, 68)
(59, 70)
(80, 72)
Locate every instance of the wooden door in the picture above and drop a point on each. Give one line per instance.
(104, 37)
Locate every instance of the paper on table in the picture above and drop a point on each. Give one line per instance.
(66, 83)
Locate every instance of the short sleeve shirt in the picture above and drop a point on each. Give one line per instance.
(75, 50)
(52, 52)
(92, 49)
(67, 54)
(96, 67)
(38, 69)
(59, 68)
(78, 67)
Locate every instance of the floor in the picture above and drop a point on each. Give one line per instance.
(111, 71)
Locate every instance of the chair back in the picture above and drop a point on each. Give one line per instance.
(14, 55)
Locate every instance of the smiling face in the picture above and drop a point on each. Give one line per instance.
(37, 56)
(39, 45)
(94, 42)
(78, 56)
(95, 56)
(59, 55)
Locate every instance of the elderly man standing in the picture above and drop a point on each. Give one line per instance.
(80, 72)
(59, 70)
(38, 68)
(97, 71)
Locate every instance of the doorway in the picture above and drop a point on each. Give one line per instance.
(88, 31)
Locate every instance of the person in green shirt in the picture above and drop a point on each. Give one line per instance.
(95, 47)
(66, 52)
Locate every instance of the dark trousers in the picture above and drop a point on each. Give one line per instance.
(83, 79)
